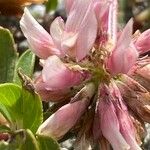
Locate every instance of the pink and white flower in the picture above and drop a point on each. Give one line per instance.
(86, 58)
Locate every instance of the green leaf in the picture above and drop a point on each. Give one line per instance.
(26, 63)
(23, 109)
(30, 142)
(4, 146)
(4, 128)
(8, 56)
(10, 102)
(32, 111)
(51, 5)
(47, 143)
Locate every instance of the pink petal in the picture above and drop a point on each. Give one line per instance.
(56, 75)
(126, 36)
(82, 22)
(109, 121)
(63, 120)
(106, 14)
(56, 30)
(126, 125)
(97, 133)
(66, 117)
(142, 44)
(124, 55)
(112, 20)
(39, 40)
(127, 129)
(47, 95)
(101, 9)
(68, 5)
(69, 40)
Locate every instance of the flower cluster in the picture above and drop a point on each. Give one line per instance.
(88, 60)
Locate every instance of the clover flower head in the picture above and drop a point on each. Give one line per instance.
(88, 61)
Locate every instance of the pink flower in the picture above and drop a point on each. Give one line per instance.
(66, 117)
(57, 76)
(106, 16)
(126, 125)
(68, 5)
(75, 38)
(124, 54)
(97, 133)
(109, 122)
(102, 12)
(39, 40)
(47, 95)
(78, 35)
(81, 57)
(127, 129)
(142, 43)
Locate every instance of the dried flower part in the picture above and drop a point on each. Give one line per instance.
(4, 136)
(3, 121)
(83, 144)
(84, 139)
(142, 81)
(66, 117)
(97, 133)
(145, 70)
(14, 7)
(142, 76)
(135, 95)
(104, 144)
(139, 125)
